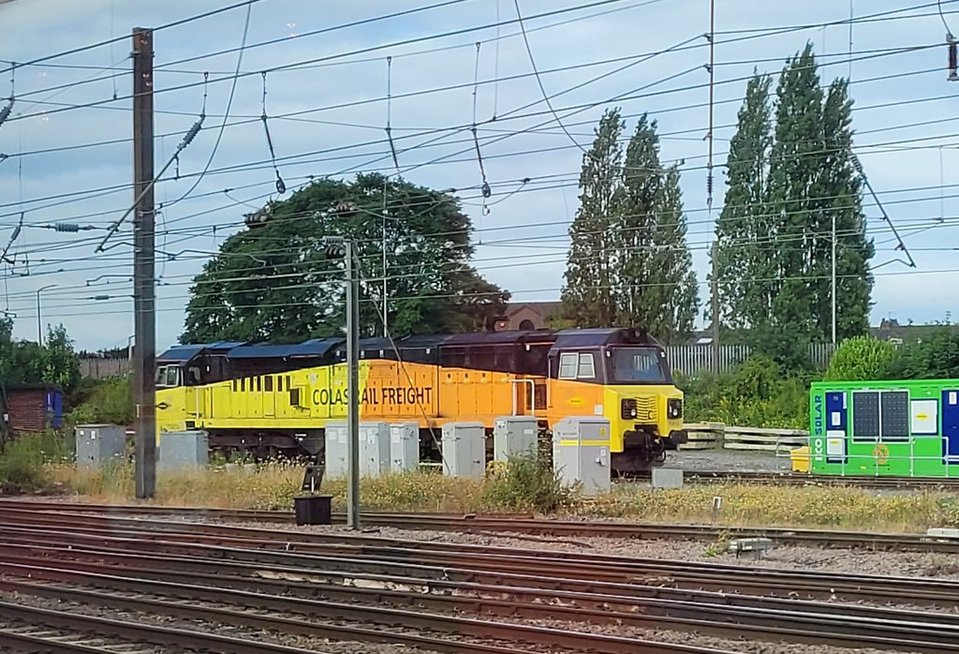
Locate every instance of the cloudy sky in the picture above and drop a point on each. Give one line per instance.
(70, 157)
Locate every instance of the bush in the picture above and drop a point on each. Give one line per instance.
(936, 357)
(109, 401)
(862, 358)
(757, 393)
(22, 462)
(526, 483)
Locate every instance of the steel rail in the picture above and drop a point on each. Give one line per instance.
(536, 570)
(138, 633)
(255, 545)
(456, 626)
(875, 541)
(880, 630)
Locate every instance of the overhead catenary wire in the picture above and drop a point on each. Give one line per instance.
(527, 132)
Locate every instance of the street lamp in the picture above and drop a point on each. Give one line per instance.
(339, 246)
(39, 319)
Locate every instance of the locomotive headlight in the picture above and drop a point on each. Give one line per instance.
(628, 410)
(674, 408)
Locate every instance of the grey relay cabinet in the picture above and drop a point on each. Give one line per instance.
(513, 435)
(183, 449)
(464, 449)
(374, 449)
(404, 446)
(581, 452)
(100, 444)
(336, 452)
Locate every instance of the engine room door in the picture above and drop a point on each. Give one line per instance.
(269, 396)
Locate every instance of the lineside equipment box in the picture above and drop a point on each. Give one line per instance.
(464, 449)
(581, 453)
(183, 449)
(98, 445)
(404, 446)
(513, 435)
(374, 449)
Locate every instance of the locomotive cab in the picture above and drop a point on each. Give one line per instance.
(622, 375)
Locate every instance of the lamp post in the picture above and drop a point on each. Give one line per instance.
(39, 318)
(339, 246)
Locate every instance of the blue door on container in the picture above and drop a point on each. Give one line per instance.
(950, 424)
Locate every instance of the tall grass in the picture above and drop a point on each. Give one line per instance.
(525, 484)
(22, 461)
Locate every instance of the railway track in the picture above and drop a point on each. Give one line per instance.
(263, 578)
(804, 479)
(524, 526)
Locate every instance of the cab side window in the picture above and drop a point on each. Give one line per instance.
(577, 365)
(568, 365)
(587, 366)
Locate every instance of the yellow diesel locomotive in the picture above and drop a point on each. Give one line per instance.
(266, 398)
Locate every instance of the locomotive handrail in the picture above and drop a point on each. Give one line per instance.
(532, 394)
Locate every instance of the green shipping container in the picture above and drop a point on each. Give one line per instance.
(895, 428)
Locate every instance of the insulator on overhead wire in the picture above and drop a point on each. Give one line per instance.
(951, 41)
(67, 227)
(190, 135)
(5, 112)
(857, 165)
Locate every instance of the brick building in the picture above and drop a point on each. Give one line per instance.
(527, 316)
(31, 408)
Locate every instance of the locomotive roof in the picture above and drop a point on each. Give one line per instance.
(315, 347)
(580, 338)
(320, 347)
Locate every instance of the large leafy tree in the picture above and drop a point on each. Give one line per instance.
(842, 188)
(588, 297)
(277, 281)
(788, 181)
(26, 362)
(656, 284)
(629, 263)
(743, 264)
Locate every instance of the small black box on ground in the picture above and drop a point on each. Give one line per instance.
(313, 509)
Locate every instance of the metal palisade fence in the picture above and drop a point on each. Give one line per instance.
(686, 359)
(697, 359)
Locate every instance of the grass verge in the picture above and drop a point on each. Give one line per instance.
(38, 464)
(273, 486)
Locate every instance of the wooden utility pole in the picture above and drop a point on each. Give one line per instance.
(144, 285)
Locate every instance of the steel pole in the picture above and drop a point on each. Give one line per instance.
(833, 278)
(144, 306)
(353, 386)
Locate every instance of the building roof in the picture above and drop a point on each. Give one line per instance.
(545, 309)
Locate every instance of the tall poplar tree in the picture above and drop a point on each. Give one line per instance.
(588, 298)
(635, 227)
(657, 283)
(674, 298)
(743, 229)
(794, 194)
(775, 232)
(842, 188)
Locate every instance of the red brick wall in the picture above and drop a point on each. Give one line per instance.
(25, 408)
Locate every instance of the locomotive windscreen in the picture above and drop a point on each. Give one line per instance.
(637, 365)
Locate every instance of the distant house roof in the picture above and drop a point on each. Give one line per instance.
(546, 309)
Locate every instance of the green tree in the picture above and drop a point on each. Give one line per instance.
(277, 282)
(633, 230)
(794, 195)
(842, 202)
(674, 298)
(934, 357)
(862, 358)
(745, 269)
(629, 263)
(59, 361)
(588, 298)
